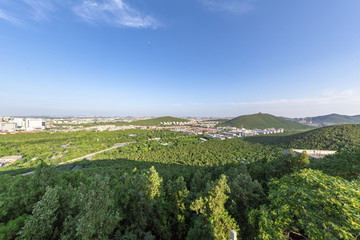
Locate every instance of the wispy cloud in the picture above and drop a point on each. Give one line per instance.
(110, 12)
(39, 9)
(22, 11)
(113, 12)
(8, 18)
(234, 6)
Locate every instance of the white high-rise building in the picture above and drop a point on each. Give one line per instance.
(34, 124)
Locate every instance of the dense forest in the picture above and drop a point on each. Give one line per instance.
(167, 185)
(336, 137)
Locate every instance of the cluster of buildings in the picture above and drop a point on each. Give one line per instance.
(10, 124)
(208, 124)
(312, 153)
(92, 120)
(174, 123)
(110, 128)
(308, 121)
(234, 132)
(8, 160)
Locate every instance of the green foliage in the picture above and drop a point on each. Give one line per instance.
(214, 221)
(288, 163)
(11, 229)
(177, 207)
(152, 188)
(54, 148)
(311, 205)
(41, 224)
(327, 138)
(245, 195)
(262, 121)
(264, 170)
(19, 197)
(345, 164)
(97, 216)
(210, 153)
(141, 197)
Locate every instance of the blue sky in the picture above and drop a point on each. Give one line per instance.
(180, 58)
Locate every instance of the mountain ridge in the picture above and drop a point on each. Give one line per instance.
(329, 119)
(262, 121)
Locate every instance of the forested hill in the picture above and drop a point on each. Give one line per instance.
(157, 121)
(330, 138)
(336, 119)
(326, 138)
(262, 121)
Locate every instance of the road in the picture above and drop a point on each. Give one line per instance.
(89, 156)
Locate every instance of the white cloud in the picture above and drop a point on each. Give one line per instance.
(235, 6)
(113, 12)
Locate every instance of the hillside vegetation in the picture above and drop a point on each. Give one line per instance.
(330, 138)
(326, 138)
(262, 121)
(188, 151)
(54, 148)
(157, 121)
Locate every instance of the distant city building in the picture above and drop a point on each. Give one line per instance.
(7, 126)
(34, 124)
(21, 124)
(312, 153)
(244, 133)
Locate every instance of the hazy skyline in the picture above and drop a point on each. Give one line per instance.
(179, 58)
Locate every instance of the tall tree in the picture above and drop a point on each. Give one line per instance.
(310, 205)
(213, 222)
(41, 224)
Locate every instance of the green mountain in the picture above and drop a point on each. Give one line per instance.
(337, 137)
(157, 121)
(333, 119)
(262, 121)
(328, 138)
